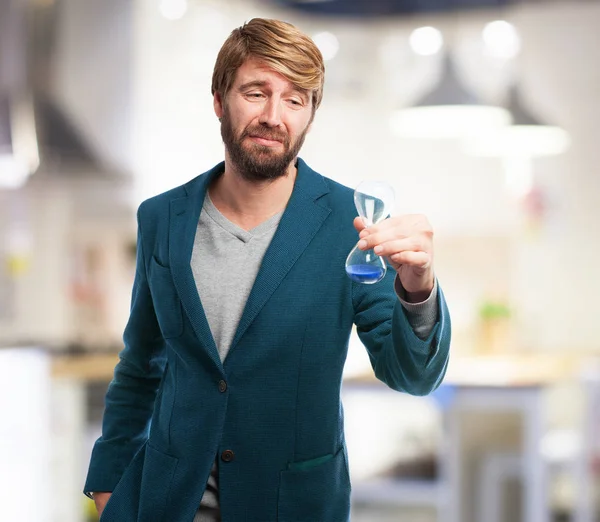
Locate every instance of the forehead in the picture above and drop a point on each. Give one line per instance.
(253, 70)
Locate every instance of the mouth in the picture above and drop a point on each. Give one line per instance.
(267, 142)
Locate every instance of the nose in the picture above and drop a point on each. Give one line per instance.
(271, 113)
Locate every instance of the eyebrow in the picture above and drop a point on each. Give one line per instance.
(254, 83)
(262, 83)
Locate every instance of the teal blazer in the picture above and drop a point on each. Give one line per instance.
(271, 412)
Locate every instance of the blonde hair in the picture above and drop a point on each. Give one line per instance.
(281, 46)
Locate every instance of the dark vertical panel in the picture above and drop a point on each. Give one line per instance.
(13, 44)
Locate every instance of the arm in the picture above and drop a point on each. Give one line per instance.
(131, 394)
(403, 320)
(423, 315)
(399, 358)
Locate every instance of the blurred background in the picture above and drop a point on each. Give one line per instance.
(482, 114)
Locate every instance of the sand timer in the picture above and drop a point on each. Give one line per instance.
(374, 201)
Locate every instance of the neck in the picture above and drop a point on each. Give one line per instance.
(249, 203)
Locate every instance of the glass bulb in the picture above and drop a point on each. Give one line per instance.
(374, 201)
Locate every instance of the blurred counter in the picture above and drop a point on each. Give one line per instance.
(508, 370)
(92, 367)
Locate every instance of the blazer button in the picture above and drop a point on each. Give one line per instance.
(227, 456)
(222, 386)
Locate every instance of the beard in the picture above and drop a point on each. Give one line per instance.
(256, 162)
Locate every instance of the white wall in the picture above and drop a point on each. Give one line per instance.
(556, 275)
(142, 92)
(547, 275)
(26, 423)
(39, 312)
(59, 219)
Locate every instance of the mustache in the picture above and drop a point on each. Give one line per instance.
(267, 134)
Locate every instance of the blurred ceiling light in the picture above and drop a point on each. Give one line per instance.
(527, 136)
(426, 41)
(173, 9)
(328, 44)
(18, 143)
(449, 111)
(517, 144)
(501, 39)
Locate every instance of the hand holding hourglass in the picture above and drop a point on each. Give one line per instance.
(374, 201)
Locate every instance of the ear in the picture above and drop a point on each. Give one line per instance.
(218, 105)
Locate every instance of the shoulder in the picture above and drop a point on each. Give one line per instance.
(160, 202)
(322, 185)
(158, 206)
(333, 195)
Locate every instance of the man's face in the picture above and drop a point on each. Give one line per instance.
(264, 121)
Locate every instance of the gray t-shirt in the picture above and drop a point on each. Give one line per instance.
(232, 257)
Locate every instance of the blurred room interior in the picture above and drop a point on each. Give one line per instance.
(482, 114)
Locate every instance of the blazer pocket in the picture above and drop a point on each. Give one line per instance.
(303, 465)
(167, 304)
(316, 489)
(159, 470)
(124, 499)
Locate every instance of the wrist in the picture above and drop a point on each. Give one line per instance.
(417, 297)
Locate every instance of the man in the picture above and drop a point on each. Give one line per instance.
(225, 404)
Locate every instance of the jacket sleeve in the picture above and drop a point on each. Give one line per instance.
(398, 357)
(131, 394)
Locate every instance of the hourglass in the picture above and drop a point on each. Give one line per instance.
(374, 201)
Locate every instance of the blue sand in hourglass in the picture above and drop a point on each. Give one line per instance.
(364, 273)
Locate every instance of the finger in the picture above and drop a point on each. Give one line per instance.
(370, 230)
(372, 239)
(399, 227)
(396, 245)
(412, 258)
(383, 231)
(358, 223)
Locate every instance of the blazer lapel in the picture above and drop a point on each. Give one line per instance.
(301, 220)
(184, 216)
